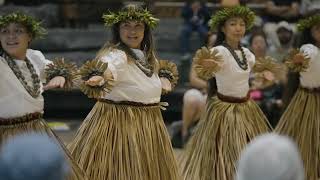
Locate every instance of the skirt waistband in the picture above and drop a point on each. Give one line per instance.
(19, 120)
(231, 99)
(129, 103)
(311, 90)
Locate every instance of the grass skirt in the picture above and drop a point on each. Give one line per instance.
(301, 121)
(40, 126)
(124, 142)
(223, 132)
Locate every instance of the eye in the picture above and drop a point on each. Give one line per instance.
(4, 31)
(19, 31)
(232, 23)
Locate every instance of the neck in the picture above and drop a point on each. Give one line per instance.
(259, 54)
(233, 44)
(21, 56)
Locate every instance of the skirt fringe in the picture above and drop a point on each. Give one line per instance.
(124, 142)
(223, 132)
(40, 126)
(301, 121)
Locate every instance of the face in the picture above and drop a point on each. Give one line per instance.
(315, 32)
(258, 44)
(195, 6)
(15, 39)
(234, 29)
(132, 33)
(284, 36)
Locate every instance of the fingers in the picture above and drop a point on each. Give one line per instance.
(55, 82)
(208, 62)
(95, 81)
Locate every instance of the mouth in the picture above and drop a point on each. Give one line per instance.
(133, 38)
(12, 44)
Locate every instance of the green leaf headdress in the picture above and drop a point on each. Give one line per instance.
(131, 13)
(308, 22)
(33, 26)
(237, 11)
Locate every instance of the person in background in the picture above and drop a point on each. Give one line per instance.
(196, 16)
(270, 157)
(32, 156)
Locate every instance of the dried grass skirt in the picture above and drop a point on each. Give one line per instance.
(124, 142)
(223, 132)
(301, 121)
(38, 125)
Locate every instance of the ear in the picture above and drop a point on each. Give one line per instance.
(30, 37)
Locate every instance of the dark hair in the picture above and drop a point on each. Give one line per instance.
(257, 33)
(306, 37)
(220, 37)
(147, 44)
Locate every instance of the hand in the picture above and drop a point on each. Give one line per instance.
(268, 75)
(95, 81)
(208, 63)
(298, 58)
(166, 84)
(56, 82)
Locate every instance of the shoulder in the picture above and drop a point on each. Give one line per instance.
(309, 47)
(35, 56)
(114, 53)
(34, 53)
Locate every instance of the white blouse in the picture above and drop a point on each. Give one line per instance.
(131, 84)
(15, 101)
(311, 78)
(231, 79)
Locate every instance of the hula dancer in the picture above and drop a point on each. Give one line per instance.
(22, 72)
(124, 136)
(301, 120)
(231, 119)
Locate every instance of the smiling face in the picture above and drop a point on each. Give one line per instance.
(15, 40)
(234, 29)
(132, 33)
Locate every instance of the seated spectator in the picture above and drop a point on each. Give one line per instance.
(194, 99)
(270, 157)
(32, 157)
(309, 7)
(258, 44)
(285, 36)
(267, 95)
(196, 16)
(230, 3)
(279, 10)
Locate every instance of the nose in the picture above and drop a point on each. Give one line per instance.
(238, 27)
(12, 34)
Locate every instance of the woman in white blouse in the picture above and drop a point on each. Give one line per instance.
(301, 120)
(231, 119)
(22, 72)
(124, 136)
